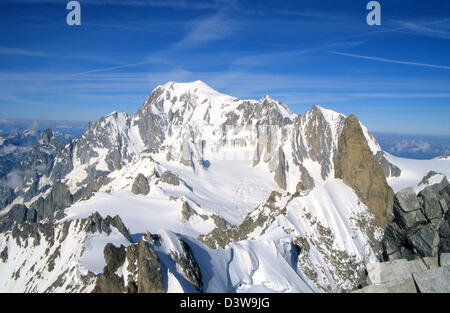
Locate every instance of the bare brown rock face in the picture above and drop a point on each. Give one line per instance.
(280, 173)
(357, 167)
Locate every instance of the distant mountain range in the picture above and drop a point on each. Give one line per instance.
(18, 137)
(73, 128)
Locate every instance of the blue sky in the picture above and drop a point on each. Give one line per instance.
(394, 77)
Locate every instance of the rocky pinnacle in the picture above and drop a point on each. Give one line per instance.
(356, 165)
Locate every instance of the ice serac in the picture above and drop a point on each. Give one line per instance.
(356, 165)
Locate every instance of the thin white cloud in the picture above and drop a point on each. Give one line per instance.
(22, 52)
(174, 4)
(400, 95)
(411, 146)
(354, 85)
(400, 28)
(268, 58)
(105, 69)
(112, 26)
(425, 29)
(444, 67)
(202, 31)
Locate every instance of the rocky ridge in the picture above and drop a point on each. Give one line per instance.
(49, 257)
(357, 166)
(421, 226)
(44, 256)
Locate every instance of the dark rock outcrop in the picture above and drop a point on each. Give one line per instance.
(144, 270)
(431, 206)
(4, 254)
(444, 234)
(394, 238)
(59, 199)
(87, 191)
(437, 187)
(140, 185)
(189, 265)
(424, 241)
(117, 222)
(170, 178)
(407, 209)
(151, 126)
(96, 223)
(109, 281)
(148, 271)
(51, 206)
(47, 242)
(6, 196)
(358, 168)
(38, 230)
(421, 227)
(187, 211)
(17, 214)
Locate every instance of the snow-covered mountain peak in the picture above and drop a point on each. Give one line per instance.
(330, 115)
(267, 100)
(270, 103)
(200, 101)
(199, 170)
(173, 96)
(197, 86)
(335, 120)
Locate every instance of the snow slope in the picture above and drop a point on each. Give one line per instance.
(414, 170)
